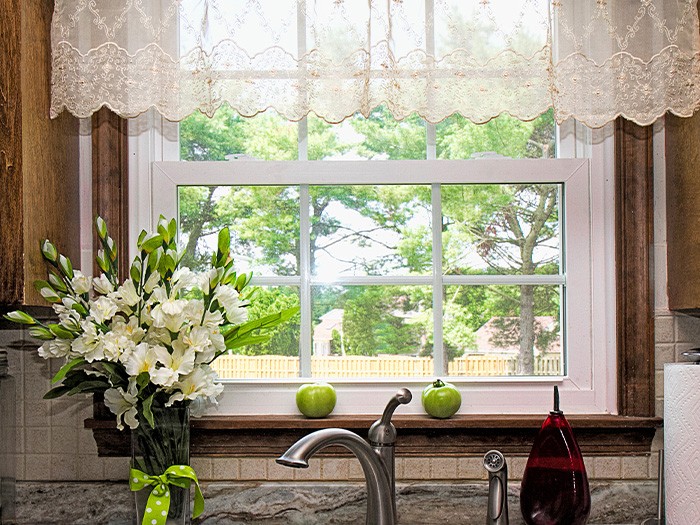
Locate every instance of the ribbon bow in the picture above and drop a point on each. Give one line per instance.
(158, 504)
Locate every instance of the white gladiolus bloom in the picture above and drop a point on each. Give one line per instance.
(123, 404)
(55, 348)
(197, 338)
(80, 282)
(217, 340)
(205, 279)
(236, 316)
(227, 296)
(200, 383)
(126, 293)
(89, 344)
(179, 363)
(132, 330)
(151, 282)
(116, 346)
(183, 278)
(194, 310)
(213, 319)
(102, 285)
(103, 309)
(169, 315)
(142, 359)
(158, 336)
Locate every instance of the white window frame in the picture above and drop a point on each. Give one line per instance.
(589, 386)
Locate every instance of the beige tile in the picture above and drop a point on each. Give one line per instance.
(355, 469)
(635, 467)
(202, 467)
(37, 467)
(443, 468)
(90, 467)
(607, 467)
(86, 442)
(398, 467)
(37, 440)
(116, 469)
(64, 440)
(659, 382)
(687, 329)
(313, 473)
(654, 465)
(277, 472)
(225, 469)
(663, 329)
(64, 413)
(471, 468)
(253, 469)
(664, 353)
(516, 467)
(19, 467)
(659, 411)
(36, 414)
(416, 468)
(680, 348)
(64, 467)
(335, 468)
(20, 442)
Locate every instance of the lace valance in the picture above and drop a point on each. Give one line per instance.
(590, 59)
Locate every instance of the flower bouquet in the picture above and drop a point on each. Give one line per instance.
(146, 343)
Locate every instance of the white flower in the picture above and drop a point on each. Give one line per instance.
(151, 282)
(197, 338)
(80, 282)
(180, 362)
(142, 359)
(183, 278)
(200, 383)
(126, 294)
(158, 336)
(103, 309)
(205, 279)
(116, 346)
(55, 348)
(213, 319)
(194, 310)
(89, 343)
(229, 298)
(169, 315)
(123, 404)
(132, 330)
(102, 285)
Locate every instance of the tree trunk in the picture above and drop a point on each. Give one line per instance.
(198, 227)
(526, 358)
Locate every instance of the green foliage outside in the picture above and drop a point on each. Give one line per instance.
(505, 225)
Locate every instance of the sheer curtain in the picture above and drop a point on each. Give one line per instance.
(590, 59)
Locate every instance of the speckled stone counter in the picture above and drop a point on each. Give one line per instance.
(90, 503)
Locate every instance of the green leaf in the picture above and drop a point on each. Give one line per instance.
(48, 250)
(70, 365)
(102, 261)
(224, 244)
(20, 317)
(57, 282)
(47, 291)
(60, 331)
(57, 392)
(147, 413)
(135, 271)
(153, 259)
(39, 332)
(248, 339)
(142, 236)
(111, 248)
(143, 379)
(101, 227)
(89, 387)
(65, 266)
(262, 323)
(150, 243)
(172, 228)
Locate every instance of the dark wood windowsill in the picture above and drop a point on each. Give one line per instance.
(270, 436)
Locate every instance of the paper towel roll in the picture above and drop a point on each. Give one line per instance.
(682, 443)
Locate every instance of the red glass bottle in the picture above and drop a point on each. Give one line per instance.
(554, 490)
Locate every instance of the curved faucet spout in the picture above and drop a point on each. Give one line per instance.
(379, 494)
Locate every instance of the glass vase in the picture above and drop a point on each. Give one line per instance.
(153, 450)
(554, 489)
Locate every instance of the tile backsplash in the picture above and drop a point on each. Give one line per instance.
(52, 443)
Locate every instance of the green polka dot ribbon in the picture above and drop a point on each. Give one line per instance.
(158, 504)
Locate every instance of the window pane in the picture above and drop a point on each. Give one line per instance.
(503, 330)
(228, 136)
(503, 136)
(370, 230)
(501, 229)
(371, 331)
(279, 357)
(264, 224)
(378, 137)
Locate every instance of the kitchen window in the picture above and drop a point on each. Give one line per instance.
(372, 262)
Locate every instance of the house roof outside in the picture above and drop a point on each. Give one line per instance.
(491, 329)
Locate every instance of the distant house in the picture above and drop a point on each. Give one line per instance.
(323, 332)
(488, 334)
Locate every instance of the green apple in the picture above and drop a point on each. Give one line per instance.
(316, 399)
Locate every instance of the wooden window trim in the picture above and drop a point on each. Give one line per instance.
(630, 432)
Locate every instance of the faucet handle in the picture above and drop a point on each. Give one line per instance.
(382, 431)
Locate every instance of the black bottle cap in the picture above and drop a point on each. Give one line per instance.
(556, 410)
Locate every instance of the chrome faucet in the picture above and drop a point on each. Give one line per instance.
(376, 458)
(497, 507)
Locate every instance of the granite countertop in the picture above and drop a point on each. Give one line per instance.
(313, 503)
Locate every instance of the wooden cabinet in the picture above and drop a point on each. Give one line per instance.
(683, 213)
(39, 191)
